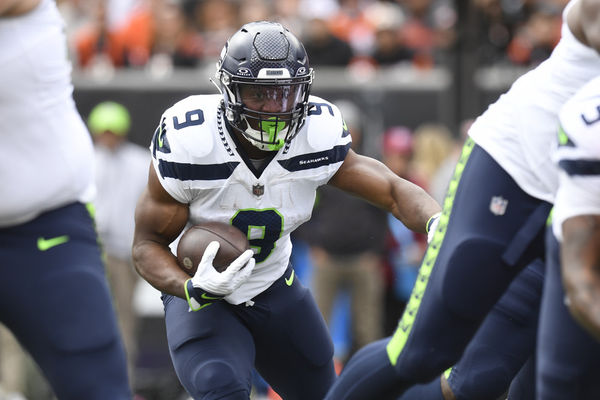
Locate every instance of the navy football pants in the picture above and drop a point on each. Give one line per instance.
(502, 345)
(488, 232)
(568, 358)
(55, 299)
(215, 350)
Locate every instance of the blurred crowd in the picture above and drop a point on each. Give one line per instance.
(167, 34)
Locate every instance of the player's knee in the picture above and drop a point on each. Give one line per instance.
(424, 364)
(475, 278)
(481, 384)
(217, 380)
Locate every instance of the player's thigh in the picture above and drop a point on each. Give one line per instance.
(466, 269)
(490, 230)
(212, 351)
(59, 304)
(503, 343)
(568, 358)
(294, 349)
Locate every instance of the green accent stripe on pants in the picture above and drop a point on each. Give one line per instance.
(396, 344)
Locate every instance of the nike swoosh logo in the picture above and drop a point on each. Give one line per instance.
(207, 297)
(46, 244)
(290, 280)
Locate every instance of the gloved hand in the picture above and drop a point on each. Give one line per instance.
(207, 285)
(431, 227)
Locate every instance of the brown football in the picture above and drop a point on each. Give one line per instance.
(194, 241)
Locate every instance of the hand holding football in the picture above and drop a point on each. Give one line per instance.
(194, 241)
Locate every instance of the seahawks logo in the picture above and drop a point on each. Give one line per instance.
(301, 71)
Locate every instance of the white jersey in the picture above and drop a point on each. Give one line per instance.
(519, 130)
(197, 163)
(578, 157)
(47, 157)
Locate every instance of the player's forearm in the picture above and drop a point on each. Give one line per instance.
(413, 205)
(580, 263)
(158, 266)
(584, 304)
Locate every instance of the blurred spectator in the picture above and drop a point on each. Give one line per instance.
(433, 143)
(76, 14)
(430, 29)
(397, 151)
(527, 26)
(255, 10)
(389, 48)
(323, 48)
(438, 184)
(492, 32)
(215, 20)
(157, 30)
(350, 23)
(347, 256)
(289, 14)
(96, 45)
(404, 248)
(118, 12)
(121, 171)
(534, 42)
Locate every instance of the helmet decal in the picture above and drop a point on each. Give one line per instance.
(243, 71)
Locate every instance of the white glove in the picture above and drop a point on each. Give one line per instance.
(431, 227)
(207, 285)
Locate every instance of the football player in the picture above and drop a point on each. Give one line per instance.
(253, 156)
(493, 221)
(568, 357)
(54, 296)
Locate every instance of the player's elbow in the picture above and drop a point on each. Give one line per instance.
(138, 255)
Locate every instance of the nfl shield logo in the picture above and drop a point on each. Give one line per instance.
(258, 190)
(498, 205)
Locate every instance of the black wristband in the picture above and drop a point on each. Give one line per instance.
(198, 298)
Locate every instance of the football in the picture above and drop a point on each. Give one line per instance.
(194, 241)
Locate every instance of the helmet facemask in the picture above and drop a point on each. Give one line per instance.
(268, 113)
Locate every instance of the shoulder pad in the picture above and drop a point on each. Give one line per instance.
(187, 129)
(324, 124)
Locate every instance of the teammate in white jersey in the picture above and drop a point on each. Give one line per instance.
(568, 357)
(492, 225)
(53, 292)
(577, 205)
(253, 157)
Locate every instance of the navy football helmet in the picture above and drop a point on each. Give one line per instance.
(265, 78)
